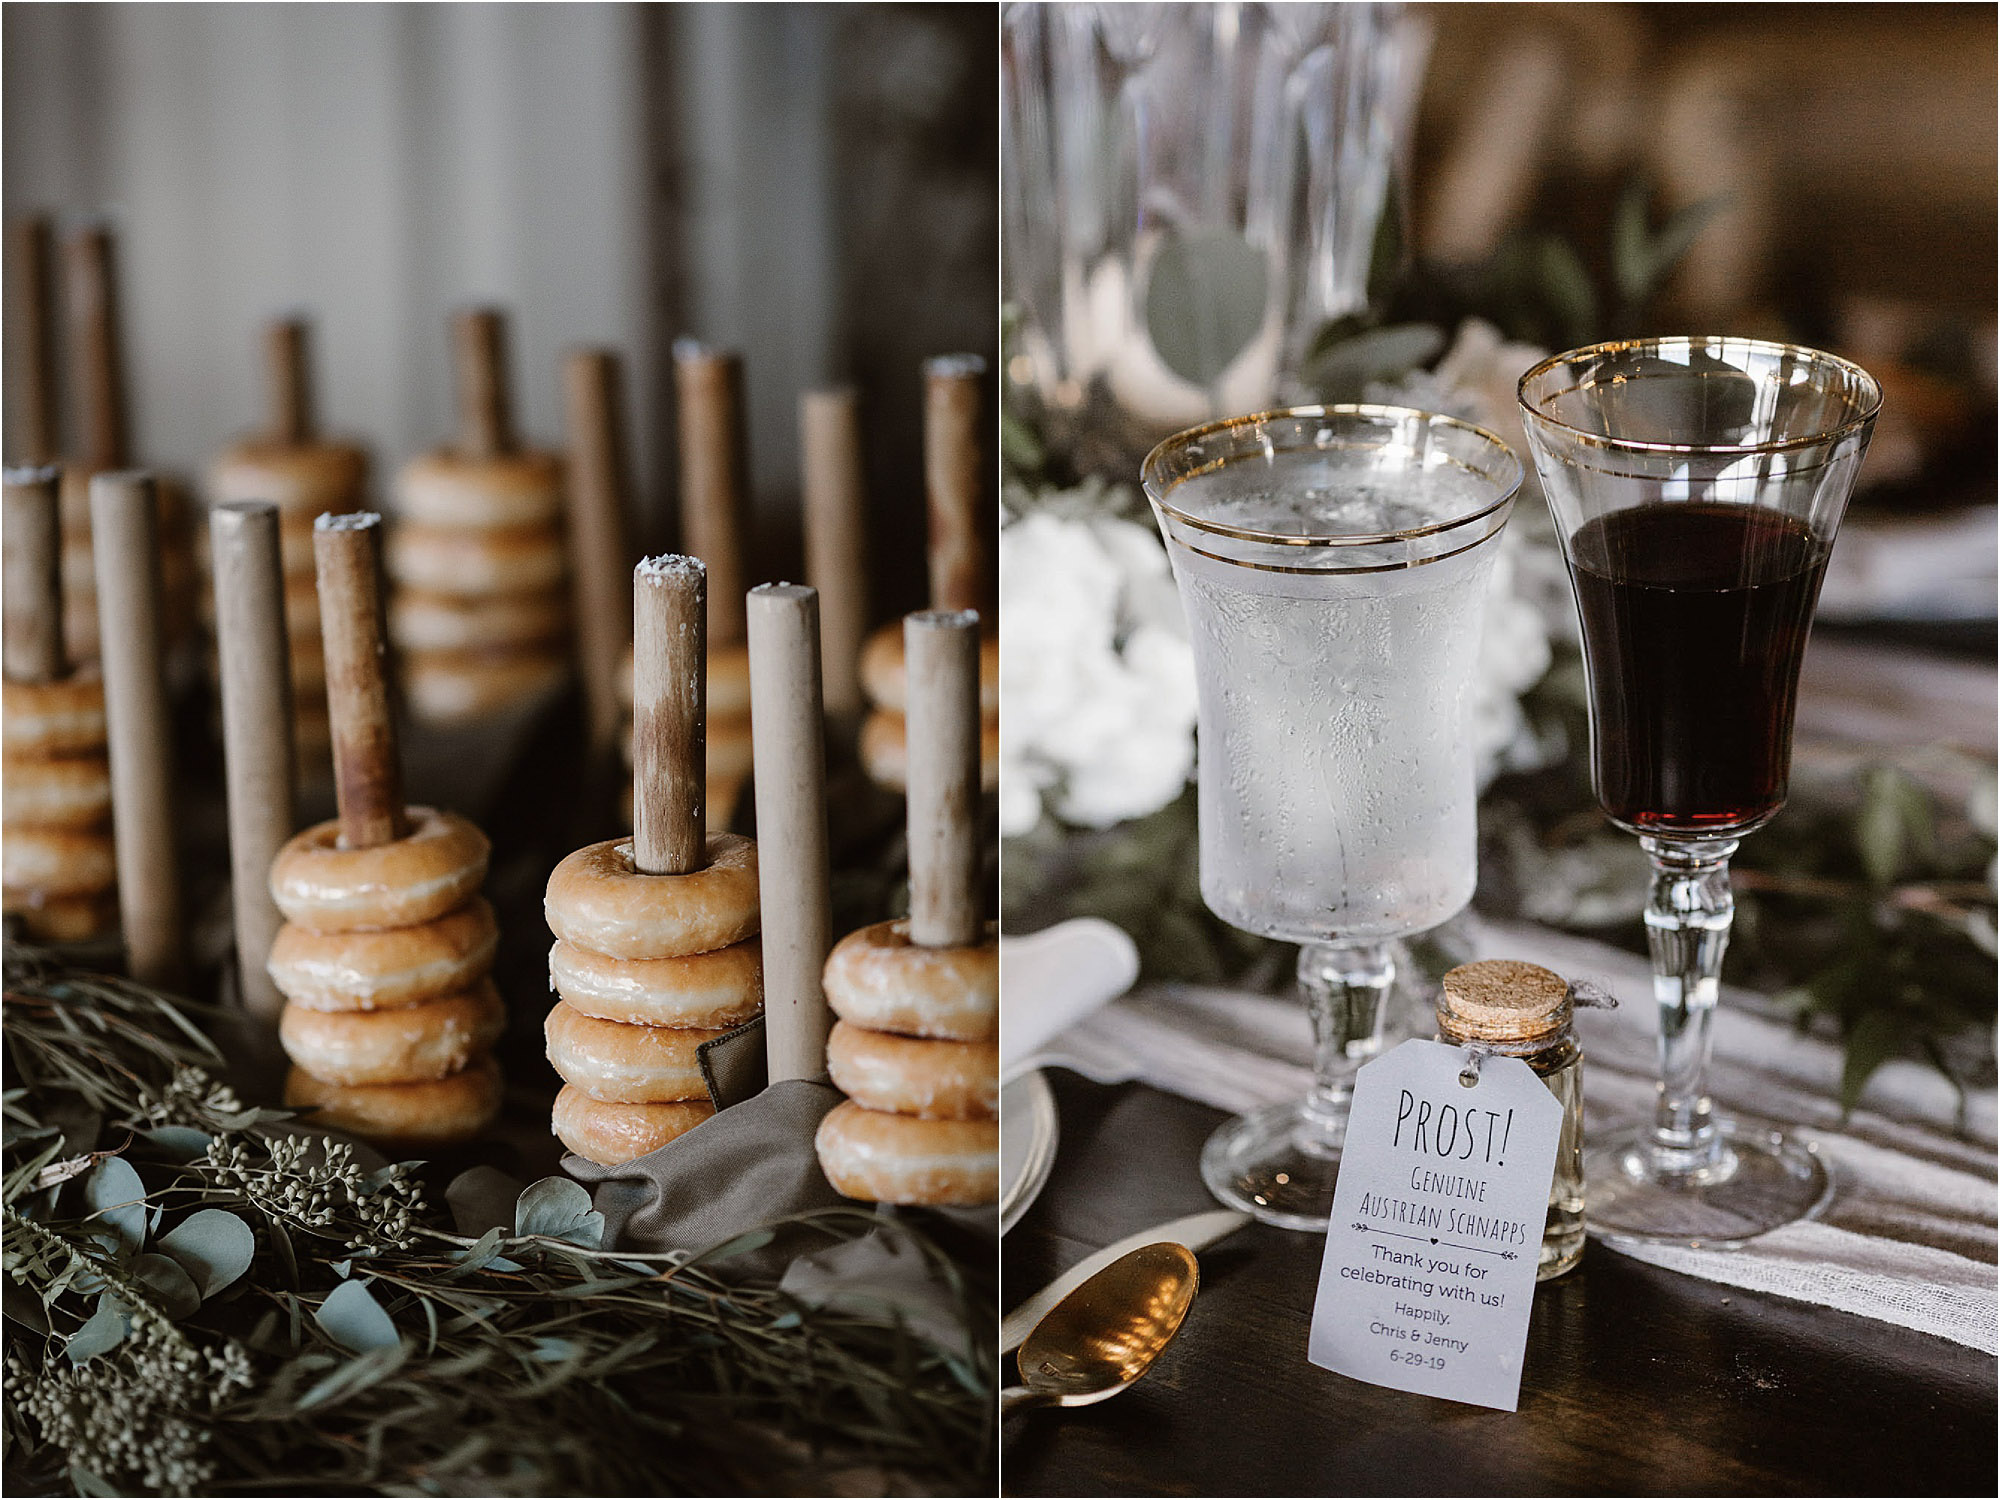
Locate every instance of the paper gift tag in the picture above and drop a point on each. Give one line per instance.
(1437, 1223)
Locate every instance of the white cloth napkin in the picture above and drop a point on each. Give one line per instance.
(1910, 1236)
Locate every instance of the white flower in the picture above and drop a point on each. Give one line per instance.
(1096, 673)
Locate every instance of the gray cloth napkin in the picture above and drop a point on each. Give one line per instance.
(754, 1162)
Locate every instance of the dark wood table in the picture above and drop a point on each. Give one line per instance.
(1638, 1381)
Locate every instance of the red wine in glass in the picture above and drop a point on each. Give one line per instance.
(1695, 619)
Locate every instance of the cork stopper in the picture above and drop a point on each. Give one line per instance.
(1503, 1001)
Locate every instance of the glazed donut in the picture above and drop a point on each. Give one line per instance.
(57, 861)
(419, 878)
(308, 669)
(414, 1044)
(626, 1064)
(63, 919)
(883, 674)
(420, 620)
(457, 687)
(385, 970)
(728, 690)
(613, 1134)
(597, 901)
(885, 751)
(516, 489)
(909, 1076)
(878, 979)
(721, 989)
(53, 718)
(64, 791)
(727, 746)
(880, 1157)
(444, 1112)
(301, 479)
(504, 560)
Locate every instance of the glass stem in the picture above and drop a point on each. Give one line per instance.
(1345, 986)
(1688, 913)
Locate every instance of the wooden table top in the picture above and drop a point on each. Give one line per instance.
(1638, 1381)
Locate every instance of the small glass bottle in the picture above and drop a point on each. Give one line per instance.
(1521, 1010)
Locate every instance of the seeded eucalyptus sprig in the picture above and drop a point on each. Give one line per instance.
(205, 1298)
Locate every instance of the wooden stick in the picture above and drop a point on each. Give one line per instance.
(836, 560)
(485, 414)
(954, 477)
(942, 652)
(669, 714)
(788, 752)
(599, 550)
(31, 585)
(125, 528)
(257, 720)
(32, 342)
(286, 354)
(708, 383)
(367, 772)
(96, 356)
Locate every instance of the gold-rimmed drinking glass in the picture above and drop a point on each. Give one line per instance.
(1333, 564)
(1697, 484)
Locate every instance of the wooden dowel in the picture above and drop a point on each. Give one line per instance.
(485, 414)
(836, 553)
(96, 355)
(31, 585)
(954, 480)
(788, 752)
(942, 652)
(287, 357)
(669, 715)
(708, 386)
(125, 528)
(599, 551)
(367, 772)
(257, 750)
(31, 339)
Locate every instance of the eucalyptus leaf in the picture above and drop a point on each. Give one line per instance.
(117, 1200)
(171, 1286)
(741, 1244)
(353, 1319)
(101, 1334)
(1872, 1041)
(560, 1209)
(181, 1143)
(213, 1246)
(1205, 300)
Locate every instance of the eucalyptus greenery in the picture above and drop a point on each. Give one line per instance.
(205, 1298)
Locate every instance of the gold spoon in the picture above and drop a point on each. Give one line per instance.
(1104, 1335)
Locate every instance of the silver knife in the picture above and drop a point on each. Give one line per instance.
(1197, 1232)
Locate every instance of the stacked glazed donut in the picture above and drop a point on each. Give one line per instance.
(304, 477)
(55, 799)
(916, 1051)
(916, 1048)
(480, 614)
(390, 1016)
(657, 948)
(647, 968)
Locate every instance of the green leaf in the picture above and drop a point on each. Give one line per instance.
(560, 1209)
(213, 1246)
(180, 1143)
(1344, 370)
(117, 1200)
(741, 1244)
(353, 1319)
(1205, 301)
(367, 1368)
(1872, 1041)
(171, 1286)
(101, 1334)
